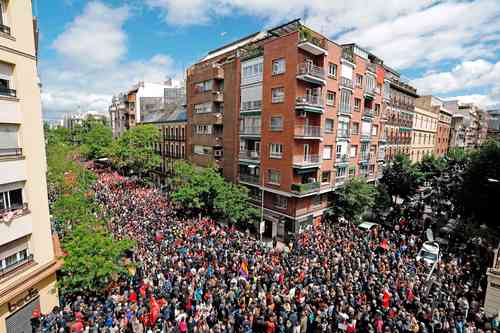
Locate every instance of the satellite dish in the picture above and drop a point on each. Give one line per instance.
(429, 234)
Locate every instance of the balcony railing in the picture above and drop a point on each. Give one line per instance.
(312, 70)
(218, 96)
(343, 133)
(368, 112)
(306, 188)
(308, 131)
(252, 179)
(343, 158)
(364, 156)
(7, 92)
(348, 54)
(11, 152)
(250, 130)
(310, 100)
(250, 155)
(5, 29)
(365, 137)
(6, 270)
(369, 91)
(345, 109)
(345, 82)
(9, 214)
(372, 68)
(306, 160)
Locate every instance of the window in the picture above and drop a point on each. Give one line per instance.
(375, 130)
(10, 200)
(352, 171)
(278, 95)
(8, 139)
(354, 151)
(276, 150)
(316, 200)
(203, 86)
(274, 177)
(330, 98)
(359, 80)
(341, 172)
(332, 70)
(377, 110)
(278, 66)
(345, 101)
(329, 125)
(276, 123)
(201, 150)
(357, 104)
(326, 176)
(355, 129)
(251, 71)
(327, 152)
(280, 201)
(14, 259)
(202, 129)
(203, 108)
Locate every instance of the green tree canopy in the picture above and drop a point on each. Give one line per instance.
(96, 141)
(431, 167)
(134, 150)
(401, 178)
(353, 199)
(92, 258)
(481, 185)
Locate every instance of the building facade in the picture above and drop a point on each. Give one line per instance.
(425, 123)
(399, 112)
(127, 109)
(172, 144)
(493, 121)
(239, 99)
(27, 262)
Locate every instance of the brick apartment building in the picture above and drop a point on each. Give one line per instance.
(292, 115)
(399, 113)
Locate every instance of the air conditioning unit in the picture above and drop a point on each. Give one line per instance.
(302, 114)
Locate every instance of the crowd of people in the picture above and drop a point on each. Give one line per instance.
(194, 275)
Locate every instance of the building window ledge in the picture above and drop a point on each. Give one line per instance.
(18, 268)
(8, 36)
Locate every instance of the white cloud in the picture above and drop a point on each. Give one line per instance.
(90, 68)
(94, 38)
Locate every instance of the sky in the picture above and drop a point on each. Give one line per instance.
(90, 50)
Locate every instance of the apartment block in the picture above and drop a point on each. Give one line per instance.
(172, 144)
(291, 115)
(141, 102)
(493, 121)
(28, 264)
(399, 114)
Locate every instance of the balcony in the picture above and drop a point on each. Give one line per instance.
(306, 188)
(9, 153)
(346, 83)
(7, 92)
(218, 96)
(249, 179)
(372, 68)
(369, 92)
(381, 156)
(365, 137)
(250, 131)
(364, 157)
(18, 264)
(218, 72)
(348, 54)
(345, 110)
(308, 132)
(343, 134)
(4, 29)
(311, 73)
(368, 112)
(310, 103)
(312, 44)
(306, 161)
(340, 180)
(342, 158)
(10, 214)
(252, 155)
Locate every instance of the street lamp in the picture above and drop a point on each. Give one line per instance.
(493, 180)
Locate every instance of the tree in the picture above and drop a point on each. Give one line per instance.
(92, 259)
(134, 150)
(401, 178)
(203, 190)
(353, 199)
(96, 141)
(481, 185)
(431, 167)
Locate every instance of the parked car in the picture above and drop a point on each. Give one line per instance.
(429, 252)
(367, 226)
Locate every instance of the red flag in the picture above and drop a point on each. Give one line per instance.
(387, 299)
